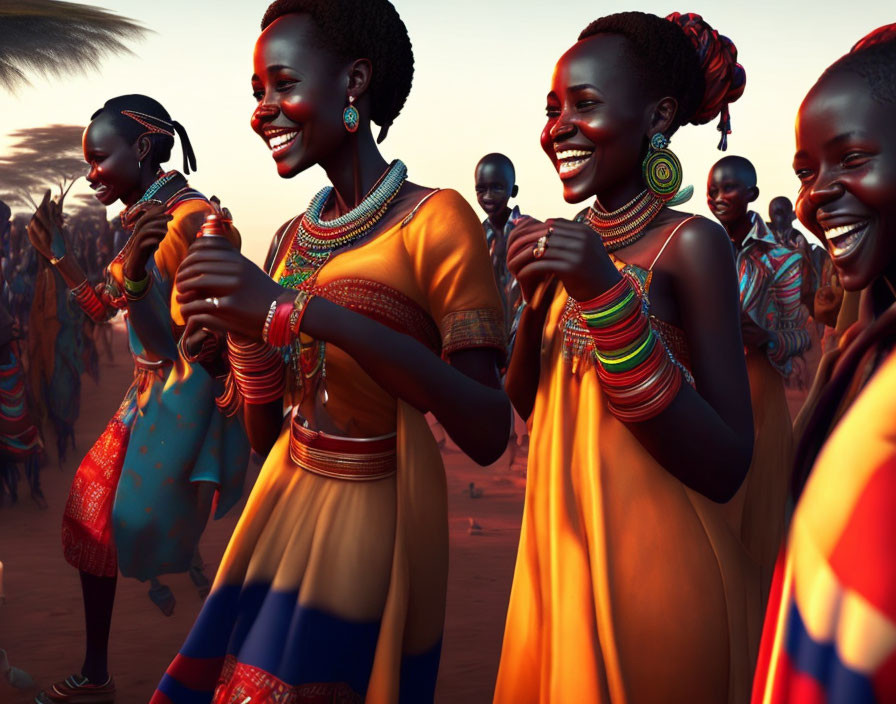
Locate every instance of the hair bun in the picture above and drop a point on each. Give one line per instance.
(725, 79)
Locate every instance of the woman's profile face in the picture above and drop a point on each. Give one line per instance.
(846, 163)
(301, 93)
(114, 166)
(597, 117)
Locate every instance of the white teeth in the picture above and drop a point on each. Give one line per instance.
(281, 140)
(573, 154)
(836, 232)
(845, 239)
(568, 167)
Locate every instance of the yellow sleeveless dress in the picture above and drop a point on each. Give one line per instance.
(629, 587)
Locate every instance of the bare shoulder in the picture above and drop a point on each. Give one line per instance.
(700, 240)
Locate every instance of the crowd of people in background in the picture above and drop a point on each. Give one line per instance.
(46, 344)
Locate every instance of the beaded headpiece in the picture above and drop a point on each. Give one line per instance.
(151, 123)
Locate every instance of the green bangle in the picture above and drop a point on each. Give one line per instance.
(135, 288)
(631, 360)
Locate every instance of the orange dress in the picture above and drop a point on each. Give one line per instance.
(333, 589)
(629, 586)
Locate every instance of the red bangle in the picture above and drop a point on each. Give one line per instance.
(608, 296)
(278, 332)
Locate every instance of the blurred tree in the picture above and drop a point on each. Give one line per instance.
(52, 37)
(41, 158)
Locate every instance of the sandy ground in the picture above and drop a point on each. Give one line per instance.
(41, 624)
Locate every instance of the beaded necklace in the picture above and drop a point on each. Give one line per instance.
(154, 187)
(624, 225)
(315, 240)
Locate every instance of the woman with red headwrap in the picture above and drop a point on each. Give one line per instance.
(632, 582)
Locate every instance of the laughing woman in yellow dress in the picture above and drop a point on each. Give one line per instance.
(333, 585)
(632, 583)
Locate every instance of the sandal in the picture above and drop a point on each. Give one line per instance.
(77, 689)
(162, 596)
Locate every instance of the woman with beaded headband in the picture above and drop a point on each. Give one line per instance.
(141, 498)
(631, 583)
(830, 630)
(384, 307)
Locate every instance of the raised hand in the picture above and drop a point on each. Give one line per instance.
(219, 289)
(573, 253)
(45, 231)
(520, 244)
(149, 230)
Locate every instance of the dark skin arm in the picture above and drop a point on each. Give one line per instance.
(524, 369)
(715, 418)
(465, 396)
(154, 331)
(49, 238)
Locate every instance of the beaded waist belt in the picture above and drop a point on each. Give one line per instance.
(354, 459)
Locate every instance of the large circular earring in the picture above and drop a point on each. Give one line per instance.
(351, 118)
(662, 169)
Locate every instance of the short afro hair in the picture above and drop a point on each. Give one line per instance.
(874, 59)
(369, 29)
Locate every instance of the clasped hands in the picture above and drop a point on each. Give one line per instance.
(569, 251)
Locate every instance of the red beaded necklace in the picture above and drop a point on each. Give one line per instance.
(627, 224)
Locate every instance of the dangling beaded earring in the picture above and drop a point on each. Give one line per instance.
(351, 118)
(662, 172)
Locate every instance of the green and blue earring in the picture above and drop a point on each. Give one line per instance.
(351, 118)
(662, 172)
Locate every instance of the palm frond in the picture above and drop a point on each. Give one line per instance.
(52, 37)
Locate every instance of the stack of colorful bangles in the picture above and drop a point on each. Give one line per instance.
(633, 366)
(257, 367)
(89, 302)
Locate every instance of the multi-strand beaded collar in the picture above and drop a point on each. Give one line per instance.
(624, 225)
(315, 239)
(162, 179)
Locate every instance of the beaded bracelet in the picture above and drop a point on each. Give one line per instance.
(89, 302)
(258, 370)
(633, 365)
(268, 320)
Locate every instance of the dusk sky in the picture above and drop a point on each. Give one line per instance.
(483, 68)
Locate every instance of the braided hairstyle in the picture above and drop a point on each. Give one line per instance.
(369, 29)
(873, 58)
(683, 57)
(137, 115)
